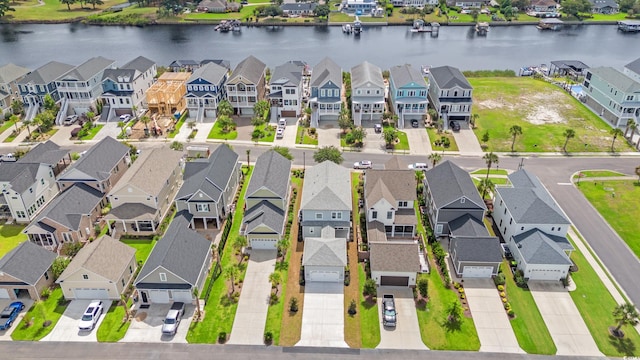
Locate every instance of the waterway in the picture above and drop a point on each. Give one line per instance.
(505, 47)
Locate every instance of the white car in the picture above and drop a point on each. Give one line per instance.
(364, 164)
(125, 117)
(91, 315)
(280, 133)
(418, 166)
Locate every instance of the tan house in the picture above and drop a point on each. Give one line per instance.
(166, 96)
(25, 271)
(142, 197)
(101, 270)
(246, 86)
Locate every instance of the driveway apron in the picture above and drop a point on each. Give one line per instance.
(467, 141)
(5, 335)
(67, 327)
(146, 326)
(419, 143)
(406, 334)
(323, 315)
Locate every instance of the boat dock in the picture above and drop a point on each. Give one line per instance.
(554, 24)
(629, 25)
(482, 28)
(419, 26)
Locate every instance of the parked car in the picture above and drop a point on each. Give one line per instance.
(9, 314)
(364, 164)
(91, 315)
(377, 128)
(70, 120)
(280, 133)
(414, 123)
(172, 320)
(418, 166)
(282, 123)
(8, 158)
(454, 125)
(388, 311)
(125, 117)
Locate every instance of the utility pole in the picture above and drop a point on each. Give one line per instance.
(521, 165)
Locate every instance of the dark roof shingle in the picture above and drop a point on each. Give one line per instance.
(27, 262)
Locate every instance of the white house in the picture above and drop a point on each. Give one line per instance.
(286, 89)
(125, 87)
(367, 93)
(26, 188)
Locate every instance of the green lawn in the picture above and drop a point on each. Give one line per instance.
(6, 125)
(217, 133)
(10, 237)
(543, 111)
(143, 248)
(269, 133)
(403, 143)
(599, 173)
(596, 305)
(339, 17)
(12, 137)
(303, 137)
(369, 320)
(178, 126)
(245, 12)
(92, 132)
(491, 172)
(41, 311)
(596, 17)
(54, 10)
(494, 180)
(617, 202)
(433, 136)
(113, 328)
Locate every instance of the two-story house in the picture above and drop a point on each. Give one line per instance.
(632, 70)
(40, 82)
(192, 65)
(205, 90)
(407, 93)
(326, 90)
(246, 86)
(543, 8)
(48, 153)
(450, 94)
(413, 3)
(10, 74)
(142, 197)
(612, 95)
(266, 201)
(534, 227)
(100, 167)
(359, 6)
(326, 200)
(166, 96)
(604, 6)
(299, 8)
(26, 188)
(285, 89)
(209, 187)
(367, 93)
(124, 88)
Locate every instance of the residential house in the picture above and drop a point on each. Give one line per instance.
(124, 88)
(632, 70)
(407, 93)
(543, 8)
(325, 257)
(326, 200)
(25, 271)
(604, 6)
(359, 6)
(192, 65)
(246, 86)
(70, 217)
(286, 88)
(326, 90)
(100, 167)
(177, 265)
(26, 188)
(166, 97)
(40, 82)
(450, 94)
(266, 201)
(612, 95)
(468, 4)
(10, 74)
(48, 153)
(534, 227)
(102, 269)
(217, 6)
(367, 93)
(413, 3)
(209, 188)
(142, 197)
(393, 263)
(475, 257)
(205, 90)
(299, 9)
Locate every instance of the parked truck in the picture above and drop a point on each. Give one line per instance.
(388, 311)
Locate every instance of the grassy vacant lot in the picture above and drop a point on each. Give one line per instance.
(143, 248)
(113, 328)
(617, 202)
(217, 133)
(10, 237)
(55, 10)
(49, 310)
(339, 17)
(244, 13)
(544, 112)
(369, 321)
(599, 173)
(433, 136)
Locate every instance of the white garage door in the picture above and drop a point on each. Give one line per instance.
(90, 294)
(182, 295)
(325, 276)
(4, 294)
(263, 244)
(544, 274)
(159, 296)
(477, 271)
(210, 113)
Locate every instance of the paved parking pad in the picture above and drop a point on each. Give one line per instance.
(147, 325)
(323, 315)
(67, 327)
(5, 335)
(406, 334)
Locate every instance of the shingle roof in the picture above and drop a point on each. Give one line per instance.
(634, 66)
(467, 226)
(88, 69)
(100, 159)
(327, 186)
(181, 251)
(366, 73)
(599, 4)
(447, 77)
(209, 175)
(114, 74)
(272, 171)
(392, 185)
(140, 64)
(396, 163)
(447, 182)
(105, 256)
(21, 176)
(47, 152)
(326, 250)
(616, 78)
(131, 211)
(287, 74)
(68, 207)
(267, 214)
(27, 262)
(151, 171)
(298, 6)
(250, 68)
(394, 256)
(403, 75)
(46, 73)
(326, 70)
(480, 249)
(537, 247)
(210, 72)
(11, 72)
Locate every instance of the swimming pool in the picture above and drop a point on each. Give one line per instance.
(576, 89)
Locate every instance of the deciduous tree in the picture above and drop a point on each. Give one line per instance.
(330, 153)
(4, 7)
(284, 151)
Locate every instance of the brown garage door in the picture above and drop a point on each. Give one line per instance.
(288, 113)
(394, 281)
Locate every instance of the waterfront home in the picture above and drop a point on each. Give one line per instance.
(124, 88)
(326, 89)
(285, 89)
(25, 189)
(612, 95)
(40, 82)
(604, 6)
(217, 6)
(246, 86)
(205, 90)
(10, 74)
(299, 9)
(408, 93)
(359, 6)
(367, 93)
(468, 4)
(166, 97)
(25, 271)
(450, 94)
(192, 65)
(543, 8)
(632, 70)
(413, 3)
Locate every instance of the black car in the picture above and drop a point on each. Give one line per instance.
(414, 123)
(454, 126)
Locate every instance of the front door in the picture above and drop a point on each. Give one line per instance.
(144, 296)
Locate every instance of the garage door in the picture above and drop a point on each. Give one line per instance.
(477, 271)
(539, 274)
(182, 295)
(90, 294)
(159, 296)
(4, 294)
(288, 113)
(210, 114)
(394, 281)
(324, 276)
(263, 244)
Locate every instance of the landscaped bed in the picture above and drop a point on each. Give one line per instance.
(435, 136)
(305, 137)
(218, 133)
(48, 312)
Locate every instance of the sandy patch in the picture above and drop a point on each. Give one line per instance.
(541, 115)
(491, 104)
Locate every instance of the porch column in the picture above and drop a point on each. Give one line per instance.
(204, 220)
(153, 226)
(137, 226)
(124, 226)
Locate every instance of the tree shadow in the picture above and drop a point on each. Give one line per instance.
(368, 302)
(623, 345)
(451, 325)
(10, 231)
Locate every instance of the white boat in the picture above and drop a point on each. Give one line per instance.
(347, 29)
(357, 26)
(426, 69)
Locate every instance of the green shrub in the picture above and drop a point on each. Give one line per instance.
(519, 279)
(500, 287)
(268, 337)
(369, 287)
(293, 304)
(222, 337)
(423, 287)
(499, 280)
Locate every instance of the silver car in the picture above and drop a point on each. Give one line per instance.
(172, 320)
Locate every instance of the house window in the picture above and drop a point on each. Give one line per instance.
(130, 269)
(42, 181)
(318, 216)
(510, 221)
(389, 214)
(439, 228)
(462, 200)
(163, 277)
(336, 93)
(122, 282)
(505, 211)
(374, 214)
(553, 228)
(85, 277)
(46, 276)
(521, 228)
(323, 93)
(31, 190)
(402, 203)
(559, 228)
(202, 207)
(336, 215)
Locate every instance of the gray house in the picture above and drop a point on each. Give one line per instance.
(209, 187)
(326, 200)
(326, 87)
(178, 264)
(10, 74)
(246, 85)
(36, 85)
(286, 88)
(325, 257)
(25, 271)
(450, 94)
(367, 93)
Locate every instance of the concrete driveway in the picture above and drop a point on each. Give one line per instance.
(251, 315)
(467, 141)
(563, 320)
(419, 143)
(491, 320)
(290, 133)
(147, 325)
(67, 327)
(323, 315)
(63, 135)
(328, 133)
(406, 334)
(5, 335)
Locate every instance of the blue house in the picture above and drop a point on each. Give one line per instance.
(40, 82)
(408, 91)
(326, 86)
(205, 90)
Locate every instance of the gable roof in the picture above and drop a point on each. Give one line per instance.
(546, 3)
(181, 251)
(327, 186)
(209, 175)
(326, 250)
(447, 183)
(27, 262)
(21, 176)
(88, 69)
(366, 73)
(46, 73)
(267, 214)
(326, 70)
(105, 256)
(600, 4)
(47, 152)
(151, 171)
(68, 208)
(467, 226)
(447, 77)
(392, 185)
(210, 72)
(250, 68)
(394, 256)
(289, 73)
(634, 66)
(396, 163)
(141, 64)
(305, 6)
(477, 249)
(403, 75)
(11, 72)
(537, 247)
(272, 171)
(224, 63)
(100, 159)
(616, 78)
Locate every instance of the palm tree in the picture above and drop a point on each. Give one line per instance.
(145, 120)
(14, 118)
(638, 172)
(231, 272)
(615, 132)
(490, 159)
(515, 130)
(123, 301)
(275, 279)
(439, 124)
(238, 243)
(485, 186)
(134, 110)
(568, 134)
(248, 158)
(474, 117)
(625, 314)
(196, 294)
(27, 122)
(629, 123)
(225, 108)
(435, 158)
(419, 177)
(283, 245)
(121, 125)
